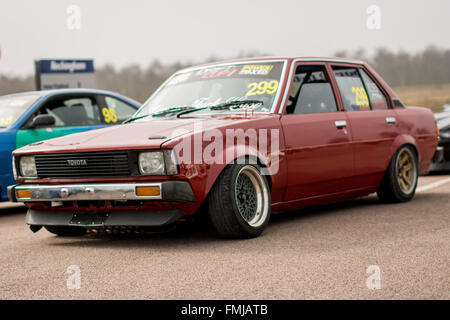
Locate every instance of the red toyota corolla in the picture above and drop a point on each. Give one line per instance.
(242, 139)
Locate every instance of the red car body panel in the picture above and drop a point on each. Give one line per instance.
(317, 162)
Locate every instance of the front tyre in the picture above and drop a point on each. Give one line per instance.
(400, 181)
(66, 231)
(239, 202)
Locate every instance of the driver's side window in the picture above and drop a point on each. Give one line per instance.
(311, 91)
(72, 111)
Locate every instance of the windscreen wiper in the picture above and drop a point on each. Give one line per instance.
(135, 118)
(174, 110)
(235, 104)
(163, 113)
(188, 109)
(222, 106)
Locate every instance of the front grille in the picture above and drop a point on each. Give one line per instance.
(87, 164)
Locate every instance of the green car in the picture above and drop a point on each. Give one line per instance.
(30, 117)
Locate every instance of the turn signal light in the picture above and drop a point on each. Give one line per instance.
(21, 194)
(438, 133)
(147, 191)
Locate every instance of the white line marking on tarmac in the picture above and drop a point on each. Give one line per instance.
(433, 185)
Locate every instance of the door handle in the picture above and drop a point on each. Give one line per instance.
(390, 120)
(340, 123)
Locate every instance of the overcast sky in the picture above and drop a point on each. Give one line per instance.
(137, 31)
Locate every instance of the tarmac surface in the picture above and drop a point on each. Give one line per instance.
(357, 249)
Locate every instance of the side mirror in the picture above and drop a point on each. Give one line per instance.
(42, 120)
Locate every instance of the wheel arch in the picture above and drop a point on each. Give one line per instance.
(217, 169)
(401, 141)
(390, 189)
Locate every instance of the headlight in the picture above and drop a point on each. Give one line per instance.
(152, 163)
(27, 167)
(158, 163)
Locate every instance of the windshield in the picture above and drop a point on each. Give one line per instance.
(12, 107)
(202, 90)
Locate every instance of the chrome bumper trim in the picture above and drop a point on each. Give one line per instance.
(72, 192)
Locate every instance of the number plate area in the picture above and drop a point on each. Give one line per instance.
(89, 219)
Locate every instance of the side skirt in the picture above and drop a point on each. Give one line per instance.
(322, 199)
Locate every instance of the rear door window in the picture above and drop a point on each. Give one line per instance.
(377, 99)
(116, 111)
(352, 88)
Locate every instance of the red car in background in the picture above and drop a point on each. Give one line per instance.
(242, 139)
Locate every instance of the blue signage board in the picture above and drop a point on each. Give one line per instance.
(65, 73)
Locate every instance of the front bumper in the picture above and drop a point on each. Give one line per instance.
(169, 191)
(131, 218)
(441, 160)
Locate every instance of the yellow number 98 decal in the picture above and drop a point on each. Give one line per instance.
(109, 115)
(361, 97)
(263, 87)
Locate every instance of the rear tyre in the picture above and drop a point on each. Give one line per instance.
(66, 231)
(239, 202)
(400, 180)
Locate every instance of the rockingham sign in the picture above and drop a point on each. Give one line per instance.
(59, 74)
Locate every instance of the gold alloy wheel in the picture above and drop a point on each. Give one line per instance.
(406, 170)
